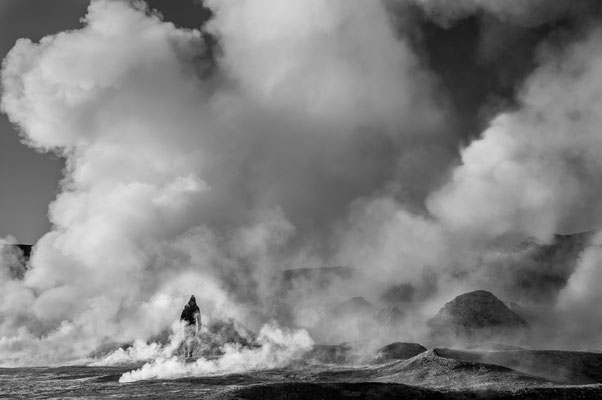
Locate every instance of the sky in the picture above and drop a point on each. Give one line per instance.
(30, 180)
(168, 148)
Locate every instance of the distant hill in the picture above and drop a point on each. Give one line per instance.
(477, 317)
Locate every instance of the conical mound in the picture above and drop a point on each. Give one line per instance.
(477, 317)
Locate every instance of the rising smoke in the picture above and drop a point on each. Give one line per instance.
(317, 136)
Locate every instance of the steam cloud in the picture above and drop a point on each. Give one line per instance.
(535, 171)
(317, 137)
(277, 348)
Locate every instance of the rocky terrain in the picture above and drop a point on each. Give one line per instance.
(431, 374)
(562, 367)
(398, 370)
(495, 362)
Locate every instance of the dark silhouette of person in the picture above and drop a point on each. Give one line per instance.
(191, 317)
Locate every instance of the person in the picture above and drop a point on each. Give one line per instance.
(191, 317)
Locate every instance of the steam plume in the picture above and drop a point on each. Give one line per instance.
(535, 171)
(177, 183)
(316, 136)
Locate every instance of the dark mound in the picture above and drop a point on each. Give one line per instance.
(389, 316)
(563, 367)
(431, 370)
(399, 351)
(478, 317)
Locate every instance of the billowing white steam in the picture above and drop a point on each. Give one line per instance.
(336, 62)
(177, 185)
(579, 302)
(108, 98)
(277, 347)
(536, 171)
(314, 138)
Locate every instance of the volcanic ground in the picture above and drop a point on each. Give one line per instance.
(432, 374)
(396, 371)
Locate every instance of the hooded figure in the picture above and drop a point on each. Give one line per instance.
(191, 316)
(191, 313)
